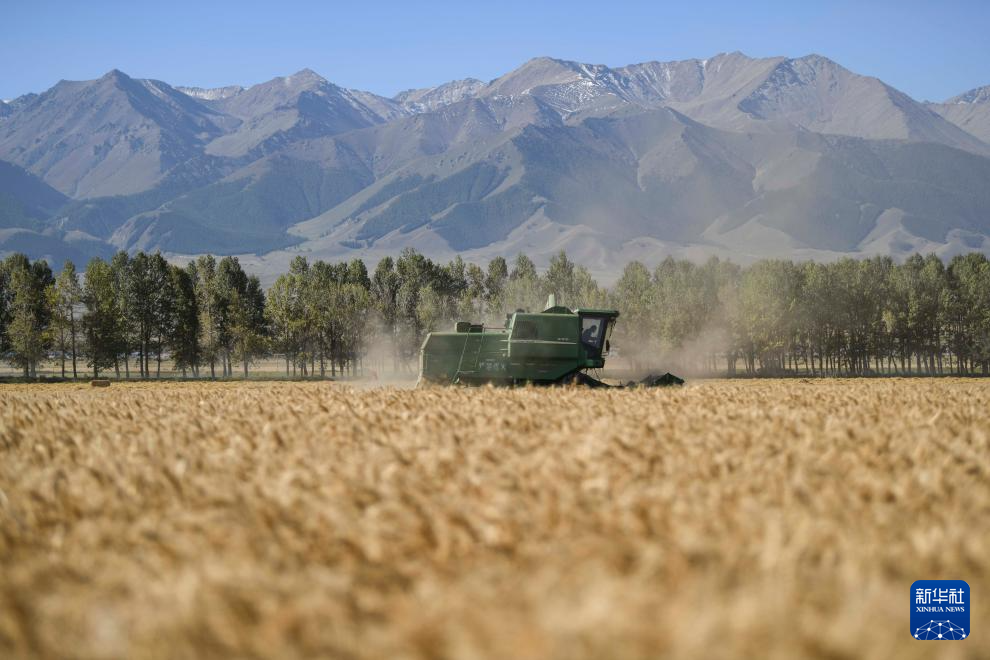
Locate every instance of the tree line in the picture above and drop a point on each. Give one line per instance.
(851, 317)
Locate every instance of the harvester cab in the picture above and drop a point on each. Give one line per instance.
(548, 347)
(596, 331)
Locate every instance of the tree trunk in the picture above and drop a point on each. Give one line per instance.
(61, 343)
(72, 326)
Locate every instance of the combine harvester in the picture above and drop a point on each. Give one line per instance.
(553, 347)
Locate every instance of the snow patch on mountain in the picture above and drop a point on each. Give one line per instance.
(429, 99)
(973, 96)
(211, 94)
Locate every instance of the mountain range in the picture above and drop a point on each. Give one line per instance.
(732, 156)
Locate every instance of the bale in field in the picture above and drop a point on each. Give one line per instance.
(99, 382)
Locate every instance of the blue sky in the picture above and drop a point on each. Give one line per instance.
(930, 50)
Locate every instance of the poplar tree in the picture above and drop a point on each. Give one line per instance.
(162, 308)
(101, 320)
(204, 275)
(524, 289)
(121, 272)
(28, 312)
(67, 296)
(184, 330)
(496, 276)
(384, 292)
(247, 321)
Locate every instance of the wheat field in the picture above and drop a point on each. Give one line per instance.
(724, 519)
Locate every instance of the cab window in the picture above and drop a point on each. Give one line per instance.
(592, 332)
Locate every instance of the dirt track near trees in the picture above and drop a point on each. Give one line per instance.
(774, 519)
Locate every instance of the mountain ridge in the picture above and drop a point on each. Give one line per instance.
(694, 156)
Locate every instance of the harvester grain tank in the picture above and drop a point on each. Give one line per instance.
(554, 346)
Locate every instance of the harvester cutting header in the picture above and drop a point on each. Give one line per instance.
(550, 347)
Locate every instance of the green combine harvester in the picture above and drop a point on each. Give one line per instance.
(551, 347)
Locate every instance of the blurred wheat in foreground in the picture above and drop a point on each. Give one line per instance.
(770, 519)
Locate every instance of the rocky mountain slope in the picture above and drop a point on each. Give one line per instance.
(969, 111)
(730, 155)
(26, 204)
(112, 136)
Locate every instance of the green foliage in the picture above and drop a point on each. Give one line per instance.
(102, 320)
(184, 336)
(26, 308)
(523, 290)
(850, 317)
(204, 275)
(63, 297)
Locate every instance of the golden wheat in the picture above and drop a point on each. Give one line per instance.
(773, 519)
